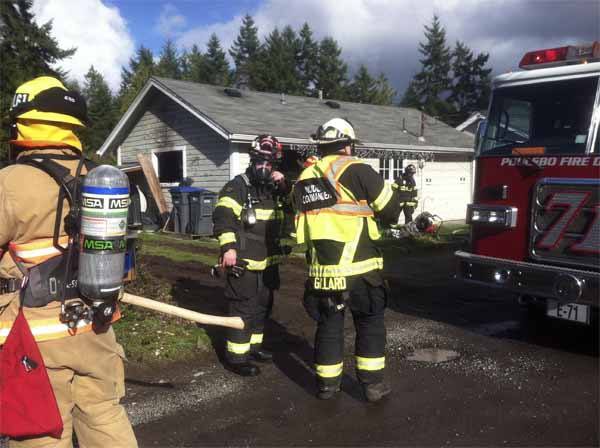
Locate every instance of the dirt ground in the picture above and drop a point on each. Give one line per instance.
(514, 382)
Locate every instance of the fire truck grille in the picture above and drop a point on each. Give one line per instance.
(565, 222)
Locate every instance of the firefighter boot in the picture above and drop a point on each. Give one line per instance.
(262, 355)
(243, 368)
(327, 391)
(375, 391)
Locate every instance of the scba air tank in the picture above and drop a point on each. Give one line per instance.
(104, 205)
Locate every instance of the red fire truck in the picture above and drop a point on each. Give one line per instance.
(535, 216)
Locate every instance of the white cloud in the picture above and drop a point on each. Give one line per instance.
(99, 33)
(170, 22)
(384, 34)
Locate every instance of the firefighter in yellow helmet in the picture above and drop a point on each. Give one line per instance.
(83, 360)
(339, 200)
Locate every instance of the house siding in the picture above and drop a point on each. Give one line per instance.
(166, 125)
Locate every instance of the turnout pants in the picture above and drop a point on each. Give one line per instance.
(86, 373)
(251, 297)
(408, 213)
(367, 304)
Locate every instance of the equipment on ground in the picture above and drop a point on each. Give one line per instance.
(424, 224)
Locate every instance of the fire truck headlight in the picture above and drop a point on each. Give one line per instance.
(500, 216)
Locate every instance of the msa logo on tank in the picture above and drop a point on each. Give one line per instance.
(95, 245)
(313, 194)
(565, 225)
(104, 211)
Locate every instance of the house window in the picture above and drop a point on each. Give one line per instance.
(384, 168)
(170, 165)
(397, 172)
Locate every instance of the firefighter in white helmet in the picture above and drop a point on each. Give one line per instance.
(339, 200)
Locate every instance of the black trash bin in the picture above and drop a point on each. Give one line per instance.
(181, 208)
(202, 204)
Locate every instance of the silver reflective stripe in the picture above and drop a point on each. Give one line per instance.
(352, 208)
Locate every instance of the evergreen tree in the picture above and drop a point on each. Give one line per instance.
(101, 111)
(197, 69)
(332, 72)
(362, 88)
(275, 69)
(27, 51)
(471, 82)
(384, 93)
(308, 59)
(411, 97)
(141, 68)
(217, 68)
(168, 64)
(244, 50)
(433, 82)
(143, 58)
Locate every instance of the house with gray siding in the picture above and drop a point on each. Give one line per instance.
(203, 131)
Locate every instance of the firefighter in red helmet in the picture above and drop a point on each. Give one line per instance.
(248, 222)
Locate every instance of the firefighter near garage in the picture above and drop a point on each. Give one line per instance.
(248, 222)
(339, 202)
(407, 183)
(61, 272)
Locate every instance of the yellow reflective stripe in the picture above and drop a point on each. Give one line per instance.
(238, 349)
(370, 363)
(350, 248)
(254, 265)
(256, 338)
(360, 267)
(227, 202)
(329, 371)
(50, 329)
(268, 214)
(37, 251)
(226, 238)
(383, 198)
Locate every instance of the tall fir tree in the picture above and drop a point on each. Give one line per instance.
(101, 110)
(217, 67)
(332, 71)
(244, 50)
(275, 69)
(196, 67)
(168, 65)
(433, 82)
(384, 93)
(141, 68)
(27, 50)
(471, 82)
(143, 58)
(308, 59)
(362, 88)
(411, 97)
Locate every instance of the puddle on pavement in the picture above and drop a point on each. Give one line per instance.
(432, 355)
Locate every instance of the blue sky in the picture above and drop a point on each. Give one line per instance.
(381, 34)
(141, 15)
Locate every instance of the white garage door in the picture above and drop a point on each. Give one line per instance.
(445, 189)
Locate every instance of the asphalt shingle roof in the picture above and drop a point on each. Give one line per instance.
(258, 112)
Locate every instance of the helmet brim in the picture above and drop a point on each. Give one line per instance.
(50, 116)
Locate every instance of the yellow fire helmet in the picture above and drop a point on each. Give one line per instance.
(47, 99)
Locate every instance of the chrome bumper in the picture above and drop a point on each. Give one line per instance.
(562, 284)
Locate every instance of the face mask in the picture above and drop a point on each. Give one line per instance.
(261, 174)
